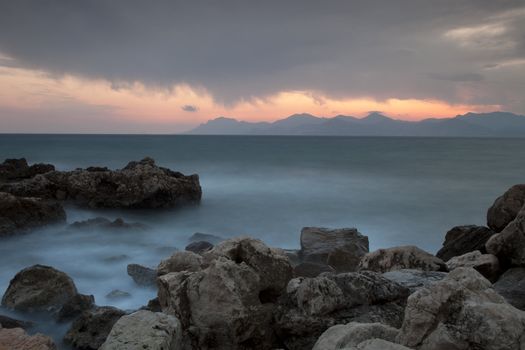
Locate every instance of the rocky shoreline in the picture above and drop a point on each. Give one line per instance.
(239, 293)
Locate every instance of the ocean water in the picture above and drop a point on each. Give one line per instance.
(397, 191)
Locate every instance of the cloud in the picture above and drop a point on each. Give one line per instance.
(189, 108)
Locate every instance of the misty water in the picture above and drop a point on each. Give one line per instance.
(397, 191)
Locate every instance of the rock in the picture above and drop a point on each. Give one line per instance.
(91, 329)
(378, 344)
(199, 247)
(8, 322)
(18, 339)
(118, 294)
(39, 288)
(17, 169)
(308, 269)
(293, 256)
(100, 223)
(506, 207)
(461, 312)
(340, 248)
(511, 285)
(398, 258)
(351, 334)
(142, 275)
(199, 237)
(19, 214)
(464, 239)
(75, 306)
(414, 279)
(145, 330)
(138, 185)
(153, 305)
(509, 244)
(181, 261)
(315, 296)
(486, 264)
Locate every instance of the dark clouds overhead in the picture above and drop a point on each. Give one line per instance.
(469, 51)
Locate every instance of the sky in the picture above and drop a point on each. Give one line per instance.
(129, 66)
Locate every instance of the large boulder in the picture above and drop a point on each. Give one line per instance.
(138, 185)
(90, 330)
(340, 248)
(142, 275)
(145, 330)
(309, 269)
(18, 339)
(414, 279)
(398, 258)
(486, 264)
(511, 285)
(461, 312)
(346, 335)
(39, 288)
(464, 239)
(506, 207)
(18, 214)
(17, 169)
(509, 244)
(181, 261)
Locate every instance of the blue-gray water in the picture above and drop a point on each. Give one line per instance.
(395, 190)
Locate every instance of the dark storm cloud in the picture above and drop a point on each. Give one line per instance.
(190, 108)
(239, 49)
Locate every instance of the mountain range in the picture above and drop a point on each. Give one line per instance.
(494, 124)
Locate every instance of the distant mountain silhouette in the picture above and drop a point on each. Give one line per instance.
(495, 124)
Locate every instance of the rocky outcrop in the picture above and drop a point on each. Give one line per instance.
(90, 330)
(39, 288)
(486, 264)
(511, 285)
(18, 214)
(308, 269)
(414, 279)
(18, 169)
(181, 261)
(506, 207)
(229, 303)
(340, 248)
(8, 322)
(398, 258)
(343, 336)
(138, 185)
(142, 275)
(18, 339)
(199, 247)
(464, 239)
(145, 330)
(509, 244)
(461, 312)
(100, 223)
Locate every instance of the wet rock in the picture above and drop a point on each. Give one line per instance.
(464, 239)
(461, 312)
(91, 329)
(509, 244)
(180, 261)
(414, 279)
(145, 330)
(340, 248)
(199, 247)
(398, 258)
(351, 334)
(378, 344)
(308, 269)
(293, 255)
(18, 339)
(198, 237)
(75, 306)
(153, 305)
(19, 214)
(486, 264)
(17, 169)
(8, 322)
(100, 223)
(116, 258)
(511, 285)
(142, 275)
(138, 185)
(39, 288)
(118, 294)
(506, 207)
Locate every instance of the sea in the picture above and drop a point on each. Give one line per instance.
(395, 190)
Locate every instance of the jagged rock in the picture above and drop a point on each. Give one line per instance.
(145, 330)
(18, 214)
(464, 239)
(308, 269)
(340, 248)
(511, 285)
(142, 275)
(8, 322)
(379, 344)
(100, 223)
(118, 294)
(486, 264)
(414, 279)
(75, 306)
(90, 330)
(18, 339)
(39, 288)
(138, 185)
(398, 258)
(199, 247)
(181, 261)
(506, 207)
(461, 312)
(351, 334)
(17, 169)
(509, 244)
(198, 237)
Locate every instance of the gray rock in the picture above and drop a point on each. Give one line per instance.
(75, 306)
(145, 330)
(181, 261)
(511, 285)
(464, 239)
(17, 169)
(509, 244)
(8, 322)
(379, 344)
(506, 207)
(18, 339)
(293, 255)
(486, 264)
(213, 239)
(308, 269)
(142, 275)
(118, 294)
(351, 334)
(399, 258)
(199, 247)
(340, 248)
(414, 279)
(100, 223)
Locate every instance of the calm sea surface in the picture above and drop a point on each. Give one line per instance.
(397, 191)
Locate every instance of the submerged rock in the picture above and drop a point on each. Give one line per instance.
(198, 237)
(506, 208)
(398, 258)
(18, 214)
(340, 248)
(511, 285)
(199, 247)
(18, 339)
(414, 279)
(100, 223)
(142, 275)
(509, 244)
(17, 169)
(138, 185)
(343, 336)
(145, 330)
(8, 322)
(486, 264)
(464, 239)
(118, 294)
